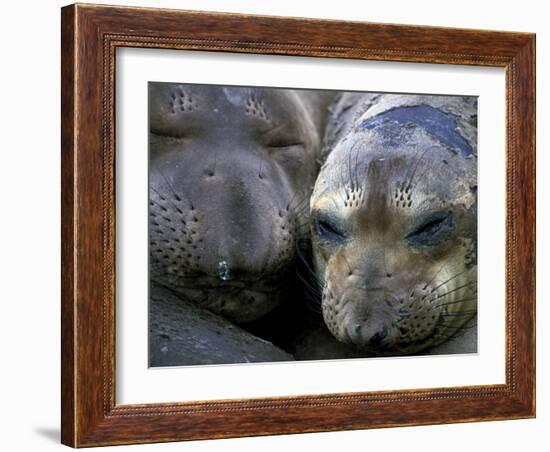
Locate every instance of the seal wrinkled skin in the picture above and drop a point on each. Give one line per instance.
(231, 170)
(394, 221)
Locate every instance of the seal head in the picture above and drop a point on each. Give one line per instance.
(231, 170)
(393, 221)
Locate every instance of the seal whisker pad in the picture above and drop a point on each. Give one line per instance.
(394, 222)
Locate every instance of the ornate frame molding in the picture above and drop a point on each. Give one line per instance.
(90, 36)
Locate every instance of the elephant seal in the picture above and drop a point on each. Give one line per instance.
(231, 172)
(182, 334)
(394, 221)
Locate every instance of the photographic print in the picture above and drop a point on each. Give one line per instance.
(256, 206)
(290, 224)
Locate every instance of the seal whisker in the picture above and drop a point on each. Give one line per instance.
(313, 303)
(464, 327)
(464, 300)
(307, 266)
(300, 210)
(343, 185)
(417, 162)
(434, 276)
(176, 194)
(308, 285)
(291, 200)
(302, 228)
(314, 278)
(300, 206)
(454, 329)
(299, 197)
(356, 170)
(458, 314)
(408, 175)
(354, 180)
(454, 290)
(448, 280)
(446, 336)
(350, 177)
(429, 168)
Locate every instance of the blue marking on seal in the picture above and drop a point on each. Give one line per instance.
(437, 123)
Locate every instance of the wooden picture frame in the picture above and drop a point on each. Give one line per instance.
(90, 36)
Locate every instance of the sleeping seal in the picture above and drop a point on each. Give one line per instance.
(231, 172)
(394, 221)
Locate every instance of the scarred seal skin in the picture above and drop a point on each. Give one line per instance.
(394, 221)
(231, 173)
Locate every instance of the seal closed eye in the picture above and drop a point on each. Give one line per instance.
(433, 231)
(328, 230)
(398, 268)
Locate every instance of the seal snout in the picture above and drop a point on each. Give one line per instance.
(367, 333)
(364, 325)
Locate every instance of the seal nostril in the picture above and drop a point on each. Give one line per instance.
(379, 336)
(375, 340)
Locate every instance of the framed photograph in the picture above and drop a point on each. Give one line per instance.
(281, 225)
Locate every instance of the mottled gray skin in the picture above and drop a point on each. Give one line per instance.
(181, 333)
(231, 171)
(394, 223)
